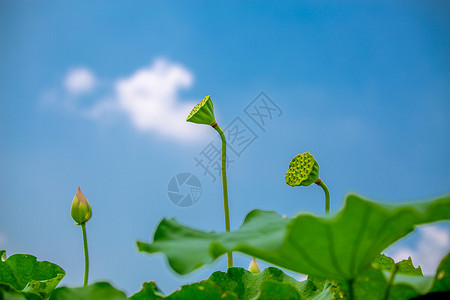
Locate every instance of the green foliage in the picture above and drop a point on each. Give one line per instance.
(246, 285)
(238, 283)
(406, 266)
(23, 277)
(340, 246)
(408, 282)
(149, 291)
(96, 291)
(272, 283)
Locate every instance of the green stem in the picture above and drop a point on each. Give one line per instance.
(225, 189)
(86, 255)
(350, 289)
(327, 196)
(391, 279)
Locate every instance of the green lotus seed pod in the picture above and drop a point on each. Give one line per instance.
(253, 267)
(303, 170)
(203, 112)
(81, 209)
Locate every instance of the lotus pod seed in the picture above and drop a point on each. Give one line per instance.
(303, 170)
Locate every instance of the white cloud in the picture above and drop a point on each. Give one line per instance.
(79, 80)
(149, 98)
(432, 245)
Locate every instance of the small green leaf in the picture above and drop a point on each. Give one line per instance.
(339, 246)
(149, 291)
(372, 284)
(328, 292)
(96, 291)
(406, 266)
(24, 274)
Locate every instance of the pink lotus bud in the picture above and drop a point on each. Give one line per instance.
(81, 209)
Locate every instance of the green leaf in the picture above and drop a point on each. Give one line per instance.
(442, 278)
(239, 283)
(201, 290)
(8, 293)
(24, 274)
(149, 291)
(339, 246)
(406, 266)
(96, 291)
(246, 285)
(328, 292)
(270, 290)
(373, 283)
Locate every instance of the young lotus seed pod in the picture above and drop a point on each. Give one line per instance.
(203, 112)
(253, 267)
(81, 209)
(303, 170)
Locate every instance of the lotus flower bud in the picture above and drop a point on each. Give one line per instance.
(253, 267)
(203, 112)
(81, 209)
(303, 170)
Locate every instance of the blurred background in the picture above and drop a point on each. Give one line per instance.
(95, 94)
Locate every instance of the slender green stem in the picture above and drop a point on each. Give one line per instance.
(86, 255)
(391, 279)
(225, 189)
(327, 196)
(350, 289)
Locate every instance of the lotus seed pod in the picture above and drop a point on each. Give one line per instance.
(203, 112)
(81, 209)
(253, 267)
(303, 170)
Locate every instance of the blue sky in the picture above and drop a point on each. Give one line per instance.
(94, 94)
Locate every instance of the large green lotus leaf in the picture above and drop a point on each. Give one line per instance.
(246, 285)
(96, 291)
(239, 283)
(338, 246)
(271, 283)
(26, 275)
